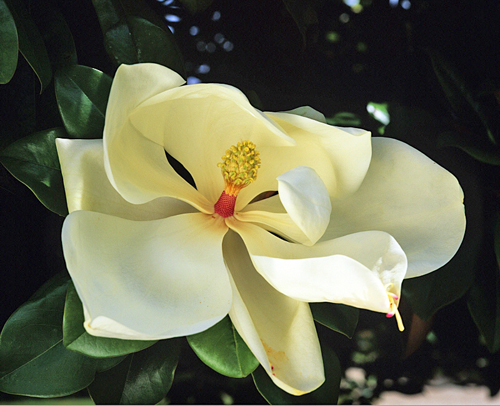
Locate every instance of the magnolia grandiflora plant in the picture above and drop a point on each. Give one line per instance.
(295, 211)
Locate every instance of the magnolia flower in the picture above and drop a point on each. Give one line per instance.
(153, 257)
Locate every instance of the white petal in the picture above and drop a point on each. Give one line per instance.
(309, 112)
(357, 269)
(196, 124)
(147, 279)
(279, 330)
(136, 167)
(87, 186)
(410, 197)
(272, 216)
(340, 156)
(306, 200)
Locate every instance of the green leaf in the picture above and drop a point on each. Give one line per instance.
(31, 44)
(57, 35)
(136, 40)
(344, 119)
(223, 350)
(483, 298)
(77, 339)
(105, 364)
(196, 6)
(33, 359)
(142, 378)
(326, 394)
(304, 14)
(338, 317)
(476, 147)
(9, 47)
(461, 98)
(33, 161)
(82, 96)
(428, 293)
(133, 34)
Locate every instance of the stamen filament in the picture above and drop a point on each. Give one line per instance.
(394, 310)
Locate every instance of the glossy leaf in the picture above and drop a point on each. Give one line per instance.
(461, 98)
(33, 161)
(483, 298)
(33, 359)
(142, 378)
(427, 294)
(105, 364)
(82, 96)
(133, 34)
(31, 44)
(196, 6)
(77, 339)
(476, 147)
(112, 12)
(223, 350)
(136, 40)
(9, 47)
(344, 119)
(338, 317)
(326, 394)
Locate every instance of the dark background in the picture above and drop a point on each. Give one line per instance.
(347, 58)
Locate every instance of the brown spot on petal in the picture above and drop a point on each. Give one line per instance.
(276, 358)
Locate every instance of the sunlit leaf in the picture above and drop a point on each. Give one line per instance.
(133, 34)
(223, 350)
(82, 96)
(483, 298)
(142, 378)
(344, 119)
(379, 111)
(33, 161)
(136, 40)
(31, 44)
(77, 339)
(9, 48)
(326, 394)
(338, 317)
(33, 359)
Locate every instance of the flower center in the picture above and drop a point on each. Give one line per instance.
(394, 310)
(239, 168)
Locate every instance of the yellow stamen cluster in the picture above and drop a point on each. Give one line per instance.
(239, 167)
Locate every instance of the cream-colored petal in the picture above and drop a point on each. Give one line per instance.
(410, 197)
(309, 112)
(279, 330)
(136, 167)
(340, 156)
(87, 186)
(196, 124)
(272, 216)
(357, 269)
(147, 279)
(306, 200)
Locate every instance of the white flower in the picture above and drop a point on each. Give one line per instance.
(153, 257)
